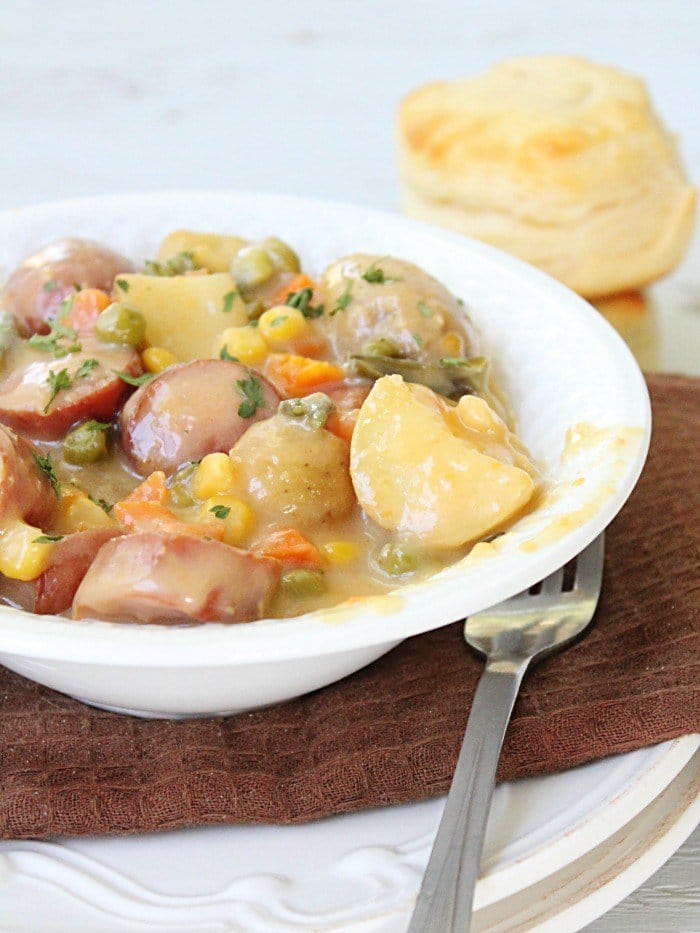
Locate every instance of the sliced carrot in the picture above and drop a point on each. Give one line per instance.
(342, 423)
(87, 306)
(152, 489)
(289, 547)
(146, 516)
(293, 285)
(294, 375)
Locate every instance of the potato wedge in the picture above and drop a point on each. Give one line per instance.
(447, 474)
(210, 251)
(184, 313)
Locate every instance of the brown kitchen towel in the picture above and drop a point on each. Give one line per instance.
(391, 732)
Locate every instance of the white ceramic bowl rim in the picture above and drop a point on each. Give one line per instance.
(432, 603)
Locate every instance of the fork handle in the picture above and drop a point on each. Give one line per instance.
(445, 900)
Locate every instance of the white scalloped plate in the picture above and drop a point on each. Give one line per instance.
(361, 872)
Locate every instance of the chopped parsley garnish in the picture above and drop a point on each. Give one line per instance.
(424, 309)
(344, 300)
(419, 340)
(302, 301)
(105, 506)
(96, 426)
(134, 380)
(60, 341)
(176, 265)
(252, 391)
(57, 382)
(220, 511)
(460, 302)
(225, 355)
(66, 306)
(48, 539)
(50, 286)
(375, 275)
(229, 299)
(85, 368)
(46, 466)
(276, 321)
(123, 284)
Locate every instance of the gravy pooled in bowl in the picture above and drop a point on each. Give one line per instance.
(220, 437)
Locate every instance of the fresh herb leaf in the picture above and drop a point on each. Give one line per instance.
(419, 340)
(344, 300)
(60, 341)
(96, 426)
(46, 466)
(460, 302)
(375, 275)
(229, 299)
(176, 265)
(220, 511)
(85, 368)
(134, 380)
(66, 306)
(57, 382)
(302, 301)
(424, 309)
(225, 355)
(123, 284)
(50, 286)
(105, 506)
(252, 391)
(78, 287)
(48, 539)
(276, 321)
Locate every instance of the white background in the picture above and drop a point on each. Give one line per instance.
(300, 97)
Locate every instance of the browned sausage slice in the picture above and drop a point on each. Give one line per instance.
(167, 579)
(95, 390)
(189, 411)
(53, 591)
(25, 491)
(37, 287)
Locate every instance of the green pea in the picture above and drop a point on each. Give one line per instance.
(86, 443)
(396, 560)
(282, 254)
(304, 582)
(121, 324)
(381, 346)
(252, 266)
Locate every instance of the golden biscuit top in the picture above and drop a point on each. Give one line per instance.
(530, 112)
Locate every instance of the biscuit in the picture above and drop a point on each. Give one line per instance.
(555, 159)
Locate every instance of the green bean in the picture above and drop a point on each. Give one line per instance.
(121, 324)
(381, 346)
(452, 377)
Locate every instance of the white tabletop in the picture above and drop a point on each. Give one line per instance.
(300, 97)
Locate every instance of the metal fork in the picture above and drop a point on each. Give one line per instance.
(511, 635)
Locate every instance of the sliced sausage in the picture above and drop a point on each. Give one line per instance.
(53, 591)
(95, 391)
(25, 491)
(37, 287)
(166, 579)
(189, 411)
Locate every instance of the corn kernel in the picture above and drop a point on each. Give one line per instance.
(245, 343)
(237, 517)
(215, 476)
(156, 359)
(452, 344)
(76, 512)
(22, 557)
(282, 323)
(340, 552)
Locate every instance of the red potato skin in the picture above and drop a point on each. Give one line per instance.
(25, 491)
(99, 395)
(173, 579)
(53, 591)
(62, 264)
(188, 411)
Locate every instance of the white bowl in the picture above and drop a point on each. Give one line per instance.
(559, 362)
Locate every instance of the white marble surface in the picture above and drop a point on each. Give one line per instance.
(299, 97)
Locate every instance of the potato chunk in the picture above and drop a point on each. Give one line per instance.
(294, 473)
(210, 251)
(446, 474)
(184, 313)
